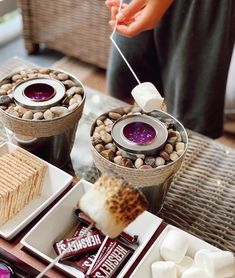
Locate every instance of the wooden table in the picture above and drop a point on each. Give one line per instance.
(201, 197)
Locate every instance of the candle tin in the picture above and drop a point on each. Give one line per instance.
(39, 94)
(139, 134)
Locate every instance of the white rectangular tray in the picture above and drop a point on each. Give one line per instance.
(61, 219)
(143, 269)
(55, 182)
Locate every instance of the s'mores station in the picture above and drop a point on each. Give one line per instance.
(136, 204)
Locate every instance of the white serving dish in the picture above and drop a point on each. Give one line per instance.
(55, 182)
(143, 269)
(61, 219)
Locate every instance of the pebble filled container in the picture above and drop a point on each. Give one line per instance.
(146, 149)
(40, 109)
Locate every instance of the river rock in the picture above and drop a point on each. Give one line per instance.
(59, 110)
(28, 115)
(48, 115)
(73, 107)
(160, 161)
(106, 137)
(5, 100)
(38, 116)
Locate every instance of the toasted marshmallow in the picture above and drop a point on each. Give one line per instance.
(112, 204)
(147, 97)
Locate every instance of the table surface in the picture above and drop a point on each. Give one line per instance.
(201, 199)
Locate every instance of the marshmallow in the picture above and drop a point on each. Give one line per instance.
(185, 264)
(174, 246)
(194, 272)
(163, 269)
(147, 97)
(219, 264)
(199, 256)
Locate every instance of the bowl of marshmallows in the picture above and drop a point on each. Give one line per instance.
(177, 254)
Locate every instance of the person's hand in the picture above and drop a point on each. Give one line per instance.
(138, 16)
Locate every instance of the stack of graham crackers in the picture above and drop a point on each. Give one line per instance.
(21, 180)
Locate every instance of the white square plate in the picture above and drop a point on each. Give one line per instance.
(61, 219)
(55, 182)
(143, 269)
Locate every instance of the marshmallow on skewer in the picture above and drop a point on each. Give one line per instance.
(174, 246)
(147, 97)
(112, 204)
(163, 269)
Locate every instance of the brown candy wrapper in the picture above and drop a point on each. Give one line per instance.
(90, 243)
(111, 260)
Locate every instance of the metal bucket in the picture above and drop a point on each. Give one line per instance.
(153, 182)
(50, 139)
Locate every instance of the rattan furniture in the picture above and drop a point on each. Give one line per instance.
(75, 28)
(201, 199)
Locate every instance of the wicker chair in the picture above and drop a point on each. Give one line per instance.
(75, 28)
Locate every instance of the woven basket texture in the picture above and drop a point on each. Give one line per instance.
(75, 28)
(201, 198)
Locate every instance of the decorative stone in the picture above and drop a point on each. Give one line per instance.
(75, 99)
(118, 152)
(108, 128)
(136, 109)
(110, 146)
(178, 135)
(174, 156)
(127, 162)
(108, 122)
(108, 154)
(128, 155)
(73, 107)
(72, 91)
(150, 160)
(159, 161)
(16, 77)
(72, 101)
(38, 116)
(3, 92)
(5, 100)
(44, 70)
(99, 148)
(168, 148)
(20, 110)
(59, 110)
(118, 160)
(138, 163)
(179, 146)
(48, 115)
(7, 87)
(114, 116)
(63, 76)
(69, 83)
(171, 133)
(172, 140)
(99, 128)
(12, 112)
(106, 137)
(164, 155)
(96, 139)
(28, 115)
(99, 122)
